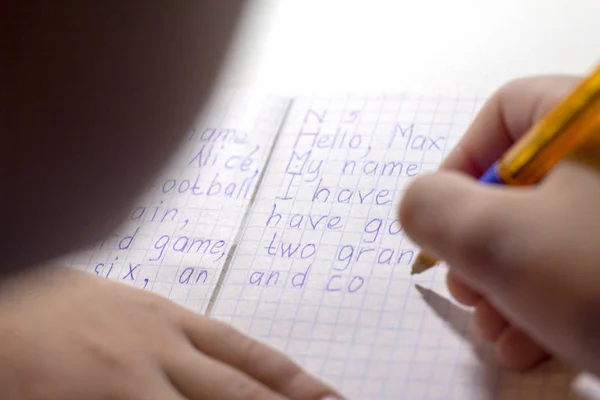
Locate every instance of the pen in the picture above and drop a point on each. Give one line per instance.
(550, 140)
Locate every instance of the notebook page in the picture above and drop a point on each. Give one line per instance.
(323, 268)
(176, 238)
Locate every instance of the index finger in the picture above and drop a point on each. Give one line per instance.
(259, 361)
(505, 117)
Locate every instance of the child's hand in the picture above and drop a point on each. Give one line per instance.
(68, 335)
(527, 259)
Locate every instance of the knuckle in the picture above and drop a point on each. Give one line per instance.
(245, 388)
(292, 378)
(513, 84)
(220, 326)
(290, 372)
(107, 357)
(225, 332)
(284, 372)
(249, 349)
(517, 86)
(155, 304)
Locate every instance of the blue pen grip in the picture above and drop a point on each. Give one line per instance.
(491, 176)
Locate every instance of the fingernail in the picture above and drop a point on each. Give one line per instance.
(331, 398)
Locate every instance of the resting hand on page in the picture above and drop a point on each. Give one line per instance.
(527, 259)
(70, 335)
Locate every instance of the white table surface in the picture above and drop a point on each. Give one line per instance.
(296, 47)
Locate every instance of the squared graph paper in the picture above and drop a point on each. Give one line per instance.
(321, 270)
(176, 239)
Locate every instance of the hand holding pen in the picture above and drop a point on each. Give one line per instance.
(525, 257)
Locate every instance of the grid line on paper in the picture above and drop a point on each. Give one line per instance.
(322, 372)
(403, 312)
(225, 115)
(368, 362)
(241, 227)
(274, 121)
(156, 192)
(177, 268)
(464, 327)
(212, 218)
(310, 338)
(420, 329)
(253, 317)
(433, 275)
(273, 259)
(154, 235)
(369, 208)
(277, 308)
(206, 301)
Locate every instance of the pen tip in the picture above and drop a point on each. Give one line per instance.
(422, 263)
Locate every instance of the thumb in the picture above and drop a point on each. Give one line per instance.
(479, 230)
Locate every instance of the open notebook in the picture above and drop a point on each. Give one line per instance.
(279, 216)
